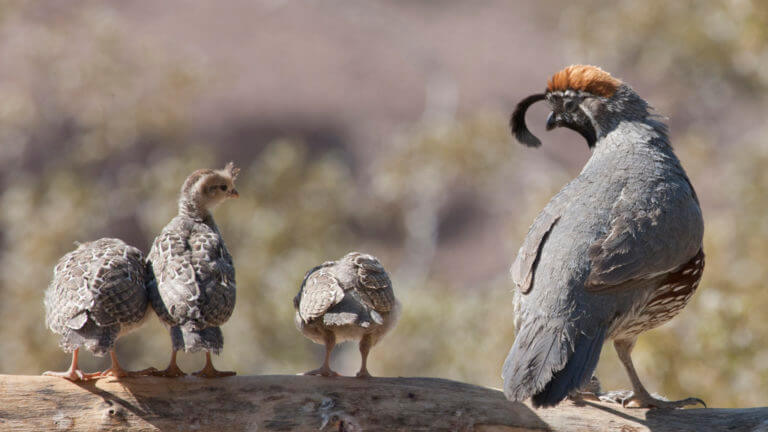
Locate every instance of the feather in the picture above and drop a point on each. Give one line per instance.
(517, 121)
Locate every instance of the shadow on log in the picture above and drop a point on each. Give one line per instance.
(299, 403)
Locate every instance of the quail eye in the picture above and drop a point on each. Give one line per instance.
(223, 187)
(570, 105)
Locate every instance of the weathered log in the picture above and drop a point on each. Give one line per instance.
(282, 403)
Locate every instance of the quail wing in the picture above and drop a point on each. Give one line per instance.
(319, 292)
(215, 274)
(373, 283)
(118, 288)
(645, 242)
(524, 267)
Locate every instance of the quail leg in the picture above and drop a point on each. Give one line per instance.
(208, 371)
(172, 371)
(73, 373)
(639, 397)
(365, 347)
(325, 369)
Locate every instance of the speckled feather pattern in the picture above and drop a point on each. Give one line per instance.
(98, 293)
(351, 297)
(616, 252)
(195, 291)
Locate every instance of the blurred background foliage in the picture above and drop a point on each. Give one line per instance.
(357, 139)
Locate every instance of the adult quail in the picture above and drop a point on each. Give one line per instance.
(195, 290)
(616, 252)
(98, 293)
(348, 299)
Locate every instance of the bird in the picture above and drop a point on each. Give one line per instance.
(195, 290)
(348, 299)
(98, 294)
(618, 251)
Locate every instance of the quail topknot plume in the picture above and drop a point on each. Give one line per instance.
(348, 299)
(195, 290)
(98, 293)
(616, 252)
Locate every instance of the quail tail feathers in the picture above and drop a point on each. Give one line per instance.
(191, 339)
(547, 363)
(96, 339)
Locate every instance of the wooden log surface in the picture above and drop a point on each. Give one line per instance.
(302, 403)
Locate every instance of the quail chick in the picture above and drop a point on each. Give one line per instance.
(348, 299)
(98, 293)
(195, 290)
(617, 252)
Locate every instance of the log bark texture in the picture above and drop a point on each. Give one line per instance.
(303, 403)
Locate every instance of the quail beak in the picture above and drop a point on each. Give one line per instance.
(552, 121)
(234, 194)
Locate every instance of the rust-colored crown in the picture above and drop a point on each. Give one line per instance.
(586, 78)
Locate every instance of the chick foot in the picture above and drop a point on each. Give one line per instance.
(172, 371)
(117, 371)
(71, 374)
(322, 371)
(208, 371)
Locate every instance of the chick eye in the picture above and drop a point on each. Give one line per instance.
(223, 187)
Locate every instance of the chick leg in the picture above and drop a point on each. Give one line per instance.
(208, 371)
(172, 371)
(640, 398)
(73, 373)
(365, 348)
(325, 369)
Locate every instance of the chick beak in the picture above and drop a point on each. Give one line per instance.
(234, 194)
(552, 120)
